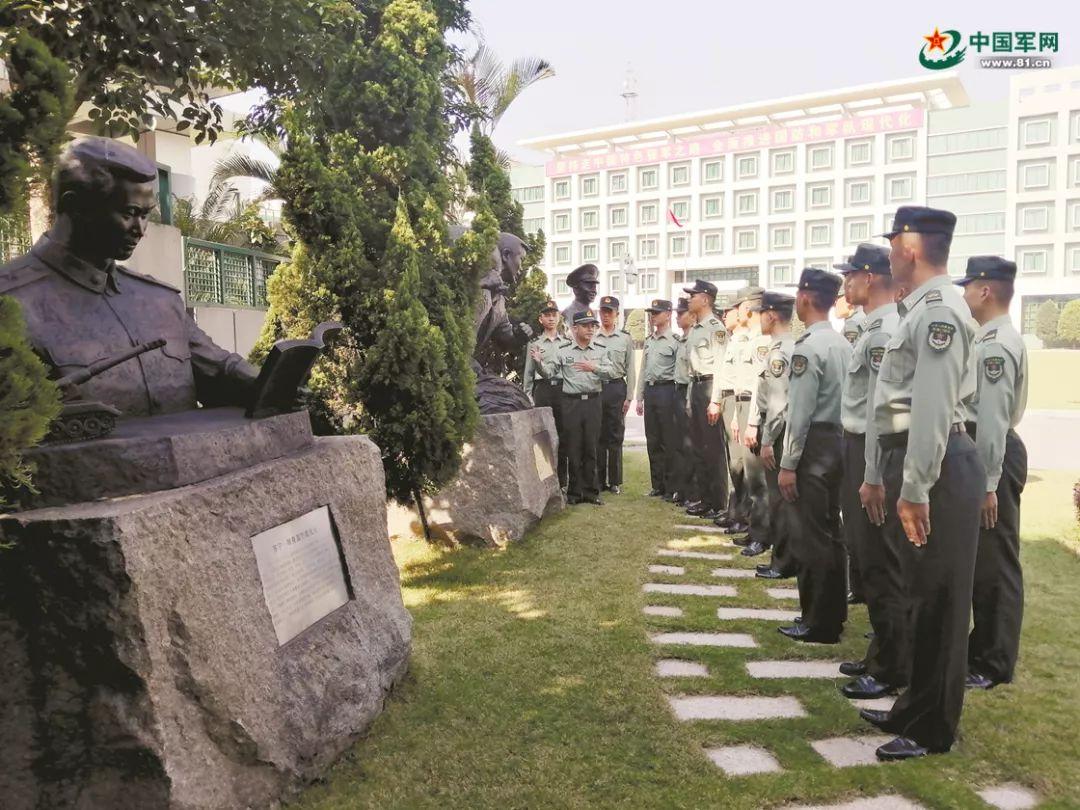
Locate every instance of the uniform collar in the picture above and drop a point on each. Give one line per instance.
(74, 269)
(994, 323)
(660, 335)
(917, 295)
(580, 348)
(818, 327)
(552, 339)
(882, 311)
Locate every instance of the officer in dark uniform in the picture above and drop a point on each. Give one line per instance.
(656, 399)
(998, 601)
(618, 394)
(582, 365)
(934, 477)
(545, 392)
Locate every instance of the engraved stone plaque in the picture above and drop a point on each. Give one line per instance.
(301, 572)
(542, 456)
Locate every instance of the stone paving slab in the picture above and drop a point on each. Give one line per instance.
(721, 707)
(689, 590)
(793, 669)
(742, 760)
(692, 555)
(674, 668)
(765, 614)
(1009, 797)
(670, 570)
(733, 573)
(708, 528)
(876, 803)
(882, 703)
(846, 752)
(705, 639)
(662, 610)
(783, 593)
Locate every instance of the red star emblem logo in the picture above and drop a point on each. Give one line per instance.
(936, 40)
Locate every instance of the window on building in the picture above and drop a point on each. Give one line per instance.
(679, 174)
(712, 242)
(857, 230)
(590, 185)
(1073, 220)
(746, 166)
(560, 286)
(972, 224)
(532, 224)
(560, 222)
(615, 282)
(1036, 132)
(782, 237)
(712, 207)
(901, 189)
(590, 252)
(590, 219)
(1073, 260)
(745, 239)
(561, 189)
(647, 248)
(562, 253)
(746, 203)
(900, 147)
(617, 182)
(1033, 218)
(712, 171)
(618, 216)
(858, 192)
(819, 196)
(1074, 171)
(820, 264)
(973, 141)
(782, 199)
(681, 209)
(819, 234)
(1035, 175)
(781, 273)
(678, 245)
(821, 157)
(528, 194)
(1033, 260)
(783, 161)
(617, 248)
(860, 153)
(648, 281)
(647, 213)
(1074, 126)
(966, 183)
(648, 178)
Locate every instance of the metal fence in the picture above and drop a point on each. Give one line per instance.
(14, 238)
(222, 274)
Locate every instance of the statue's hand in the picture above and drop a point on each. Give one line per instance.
(526, 330)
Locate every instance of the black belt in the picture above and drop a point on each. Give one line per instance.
(617, 379)
(700, 377)
(549, 382)
(727, 392)
(891, 441)
(590, 395)
(660, 382)
(970, 427)
(826, 425)
(742, 398)
(850, 435)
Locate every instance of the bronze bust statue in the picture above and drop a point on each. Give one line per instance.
(81, 307)
(584, 281)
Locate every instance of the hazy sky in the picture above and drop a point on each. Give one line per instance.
(693, 55)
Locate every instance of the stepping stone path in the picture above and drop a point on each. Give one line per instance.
(671, 570)
(692, 555)
(674, 668)
(1009, 797)
(689, 590)
(661, 610)
(877, 803)
(733, 573)
(708, 528)
(794, 669)
(704, 639)
(700, 707)
(783, 593)
(882, 703)
(845, 752)
(741, 760)
(757, 613)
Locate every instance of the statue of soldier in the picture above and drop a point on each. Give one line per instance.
(80, 306)
(495, 334)
(584, 281)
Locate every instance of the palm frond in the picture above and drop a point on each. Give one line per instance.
(244, 166)
(522, 74)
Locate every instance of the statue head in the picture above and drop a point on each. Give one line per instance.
(512, 254)
(103, 193)
(584, 281)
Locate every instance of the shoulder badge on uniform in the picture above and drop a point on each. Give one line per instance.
(798, 364)
(875, 325)
(933, 297)
(762, 352)
(988, 336)
(777, 366)
(994, 368)
(876, 355)
(940, 335)
(623, 331)
(851, 335)
(801, 338)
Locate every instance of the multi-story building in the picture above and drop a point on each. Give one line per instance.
(754, 193)
(530, 189)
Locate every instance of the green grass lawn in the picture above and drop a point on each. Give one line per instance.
(1055, 379)
(532, 683)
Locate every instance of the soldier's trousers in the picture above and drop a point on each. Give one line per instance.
(581, 427)
(612, 430)
(685, 468)
(938, 583)
(734, 457)
(549, 394)
(661, 438)
(851, 505)
(710, 448)
(815, 537)
(998, 598)
(878, 558)
(755, 493)
(780, 526)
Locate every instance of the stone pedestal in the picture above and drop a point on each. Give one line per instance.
(141, 665)
(507, 483)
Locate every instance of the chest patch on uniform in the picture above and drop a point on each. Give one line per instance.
(994, 368)
(762, 352)
(933, 297)
(798, 365)
(852, 335)
(876, 355)
(777, 366)
(940, 335)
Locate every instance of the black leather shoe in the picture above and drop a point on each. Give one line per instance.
(615, 489)
(768, 573)
(572, 501)
(901, 748)
(593, 501)
(674, 497)
(867, 687)
(855, 599)
(800, 632)
(711, 514)
(655, 493)
(853, 669)
(724, 520)
(691, 505)
(698, 510)
(738, 527)
(876, 717)
(754, 549)
(977, 680)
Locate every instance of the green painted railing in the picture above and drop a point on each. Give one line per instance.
(14, 238)
(223, 274)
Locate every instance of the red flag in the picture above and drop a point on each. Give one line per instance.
(673, 218)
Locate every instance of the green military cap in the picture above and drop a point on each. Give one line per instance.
(988, 268)
(867, 259)
(920, 219)
(660, 305)
(585, 316)
(609, 302)
(549, 306)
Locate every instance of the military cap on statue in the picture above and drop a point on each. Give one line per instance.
(683, 305)
(609, 302)
(580, 273)
(114, 156)
(988, 268)
(774, 302)
(700, 286)
(584, 317)
(549, 306)
(919, 219)
(660, 305)
(813, 278)
(867, 258)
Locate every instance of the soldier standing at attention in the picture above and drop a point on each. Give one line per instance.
(1002, 371)
(656, 399)
(754, 507)
(583, 365)
(686, 472)
(812, 466)
(724, 396)
(708, 338)
(618, 393)
(934, 477)
(868, 284)
(545, 392)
